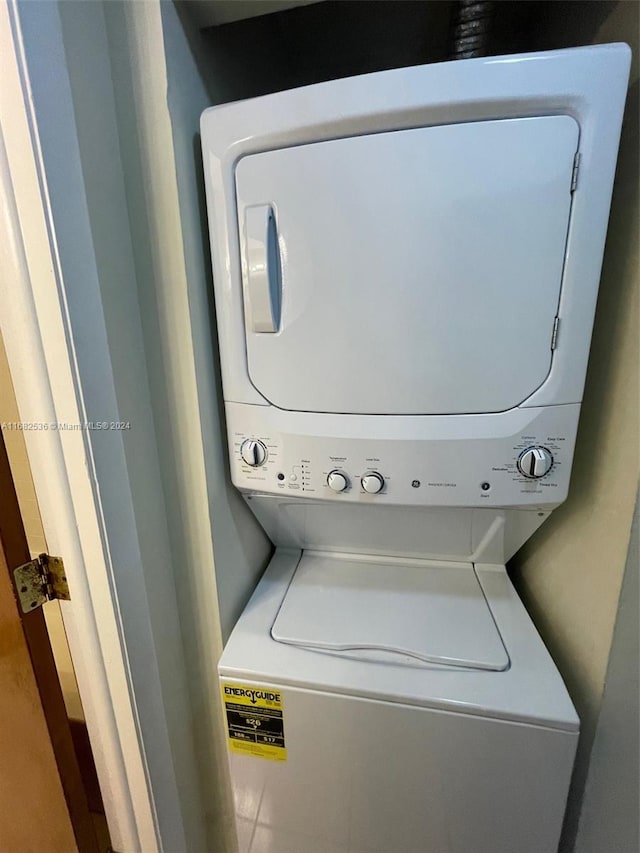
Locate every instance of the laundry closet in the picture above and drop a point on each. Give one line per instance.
(365, 346)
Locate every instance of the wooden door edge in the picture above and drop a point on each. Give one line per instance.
(16, 550)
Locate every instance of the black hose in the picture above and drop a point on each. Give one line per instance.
(472, 29)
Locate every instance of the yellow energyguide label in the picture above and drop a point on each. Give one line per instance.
(255, 720)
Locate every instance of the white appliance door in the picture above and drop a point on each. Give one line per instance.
(409, 272)
(410, 612)
(375, 777)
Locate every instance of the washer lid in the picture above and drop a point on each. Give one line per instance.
(411, 611)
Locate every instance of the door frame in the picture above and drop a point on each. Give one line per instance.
(44, 365)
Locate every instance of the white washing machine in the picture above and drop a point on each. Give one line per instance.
(406, 267)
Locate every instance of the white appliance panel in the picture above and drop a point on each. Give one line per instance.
(413, 612)
(434, 533)
(462, 461)
(588, 84)
(373, 777)
(419, 271)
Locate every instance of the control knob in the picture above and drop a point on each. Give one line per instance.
(535, 462)
(372, 482)
(253, 452)
(337, 481)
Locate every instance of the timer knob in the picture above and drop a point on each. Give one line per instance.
(337, 481)
(372, 482)
(535, 462)
(253, 452)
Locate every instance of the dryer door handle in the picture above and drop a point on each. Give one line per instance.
(263, 269)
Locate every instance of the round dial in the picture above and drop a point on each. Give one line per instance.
(372, 482)
(535, 462)
(337, 481)
(253, 452)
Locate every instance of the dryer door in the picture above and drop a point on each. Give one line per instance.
(409, 272)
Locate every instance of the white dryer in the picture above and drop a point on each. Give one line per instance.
(406, 267)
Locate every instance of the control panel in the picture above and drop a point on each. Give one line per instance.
(528, 467)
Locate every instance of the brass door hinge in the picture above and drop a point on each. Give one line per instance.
(40, 580)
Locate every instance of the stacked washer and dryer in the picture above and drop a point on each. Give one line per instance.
(406, 267)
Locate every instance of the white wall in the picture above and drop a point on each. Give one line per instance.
(241, 548)
(70, 70)
(162, 337)
(122, 181)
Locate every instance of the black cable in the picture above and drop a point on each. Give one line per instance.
(472, 29)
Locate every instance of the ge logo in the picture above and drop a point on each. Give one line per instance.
(415, 484)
